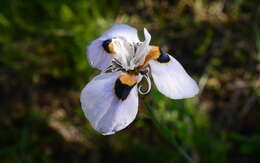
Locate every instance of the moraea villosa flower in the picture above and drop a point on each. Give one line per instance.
(110, 100)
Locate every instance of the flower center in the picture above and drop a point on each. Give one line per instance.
(144, 73)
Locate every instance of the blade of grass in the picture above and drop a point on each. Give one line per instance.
(257, 31)
(167, 134)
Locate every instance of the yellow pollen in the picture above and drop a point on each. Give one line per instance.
(111, 48)
(128, 79)
(153, 54)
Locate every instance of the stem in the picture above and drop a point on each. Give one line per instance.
(167, 134)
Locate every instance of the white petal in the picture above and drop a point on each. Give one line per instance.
(143, 49)
(147, 36)
(96, 55)
(102, 108)
(122, 30)
(123, 52)
(172, 80)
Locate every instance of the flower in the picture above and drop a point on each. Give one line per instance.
(110, 100)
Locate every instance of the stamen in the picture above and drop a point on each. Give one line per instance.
(116, 62)
(145, 73)
(116, 66)
(109, 68)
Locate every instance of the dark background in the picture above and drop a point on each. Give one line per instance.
(43, 68)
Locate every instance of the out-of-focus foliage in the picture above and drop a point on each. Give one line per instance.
(43, 68)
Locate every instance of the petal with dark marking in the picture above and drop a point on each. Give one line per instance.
(124, 85)
(106, 113)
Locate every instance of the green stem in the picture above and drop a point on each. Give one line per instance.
(167, 134)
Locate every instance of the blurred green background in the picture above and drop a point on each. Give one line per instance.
(43, 68)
